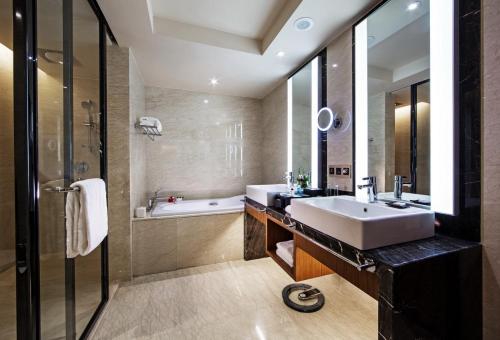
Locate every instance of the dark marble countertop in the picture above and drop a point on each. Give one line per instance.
(393, 256)
(406, 253)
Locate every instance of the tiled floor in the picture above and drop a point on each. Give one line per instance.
(234, 300)
(52, 290)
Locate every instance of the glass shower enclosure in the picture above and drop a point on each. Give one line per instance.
(53, 108)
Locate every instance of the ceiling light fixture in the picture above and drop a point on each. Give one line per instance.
(214, 81)
(303, 24)
(280, 54)
(413, 6)
(205, 101)
(335, 65)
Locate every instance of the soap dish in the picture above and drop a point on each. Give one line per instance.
(398, 205)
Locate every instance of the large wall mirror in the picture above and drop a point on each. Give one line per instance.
(303, 99)
(404, 102)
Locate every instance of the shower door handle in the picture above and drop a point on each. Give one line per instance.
(21, 256)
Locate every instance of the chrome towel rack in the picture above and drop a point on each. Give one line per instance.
(62, 189)
(149, 130)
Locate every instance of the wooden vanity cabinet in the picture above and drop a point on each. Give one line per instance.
(312, 260)
(305, 266)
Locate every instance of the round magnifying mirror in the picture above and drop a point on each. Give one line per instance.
(324, 119)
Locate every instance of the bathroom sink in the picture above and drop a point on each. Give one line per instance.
(363, 225)
(264, 194)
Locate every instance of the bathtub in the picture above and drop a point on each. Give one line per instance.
(199, 207)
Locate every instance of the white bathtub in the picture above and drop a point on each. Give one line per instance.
(199, 207)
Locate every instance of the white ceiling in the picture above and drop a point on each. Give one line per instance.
(249, 19)
(182, 44)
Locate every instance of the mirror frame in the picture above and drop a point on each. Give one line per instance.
(444, 92)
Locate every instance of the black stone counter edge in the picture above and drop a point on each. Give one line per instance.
(392, 256)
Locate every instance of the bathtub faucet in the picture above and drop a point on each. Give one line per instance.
(152, 201)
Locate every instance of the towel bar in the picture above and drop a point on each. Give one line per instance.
(61, 189)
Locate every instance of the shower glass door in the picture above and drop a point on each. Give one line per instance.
(86, 147)
(51, 149)
(69, 149)
(7, 220)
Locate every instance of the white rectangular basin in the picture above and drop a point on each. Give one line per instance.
(264, 194)
(363, 225)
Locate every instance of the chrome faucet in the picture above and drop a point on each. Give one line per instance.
(398, 187)
(289, 178)
(152, 201)
(399, 184)
(372, 188)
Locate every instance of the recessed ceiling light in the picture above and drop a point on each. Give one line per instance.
(303, 24)
(19, 15)
(214, 81)
(335, 65)
(280, 54)
(205, 101)
(413, 5)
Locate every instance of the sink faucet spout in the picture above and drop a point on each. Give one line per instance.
(371, 186)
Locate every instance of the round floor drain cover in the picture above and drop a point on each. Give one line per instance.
(290, 298)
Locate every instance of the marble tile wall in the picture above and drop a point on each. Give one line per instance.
(390, 147)
(161, 245)
(274, 139)
(119, 164)
(339, 99)
(207, 149)
(137, 140)
(301, 158)
(491, 169)
(377, 138)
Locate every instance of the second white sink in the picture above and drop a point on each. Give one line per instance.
(363, 225)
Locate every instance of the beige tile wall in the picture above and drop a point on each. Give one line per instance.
(274, 139)
(137, 140)
(207, 150)
(491, 169)
(119, 164)
(377, 138)
(339, 99)
(166, 244)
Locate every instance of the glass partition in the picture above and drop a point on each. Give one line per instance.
(86, 146)
(7, 225)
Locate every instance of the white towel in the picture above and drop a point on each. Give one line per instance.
(285, 256)
(286, 246)
(86, 217)
(151, 121)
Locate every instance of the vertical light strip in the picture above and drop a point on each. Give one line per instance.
(289, 163)
(314, 125)
(443, 158)
(361, 104)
